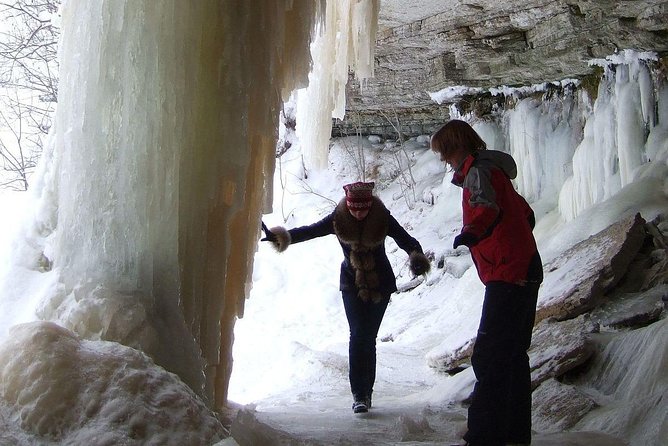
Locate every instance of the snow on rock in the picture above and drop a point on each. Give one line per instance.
(558, 407)
(451, 361)
(575, 283)
(576, 280)
(633, 309)
(558, 347)
(58, 387)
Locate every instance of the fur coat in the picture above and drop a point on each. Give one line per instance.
(365, 269)
(363, 239)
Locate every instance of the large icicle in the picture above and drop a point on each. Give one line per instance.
(345, 40)
(541, 138)
(161, 161)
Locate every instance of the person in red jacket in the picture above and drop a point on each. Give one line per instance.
(497, 229)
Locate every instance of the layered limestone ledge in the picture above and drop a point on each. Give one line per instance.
(487, 44)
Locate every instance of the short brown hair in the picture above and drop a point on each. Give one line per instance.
(456, 134)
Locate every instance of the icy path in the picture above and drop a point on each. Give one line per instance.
(326, 423)
(407, 409)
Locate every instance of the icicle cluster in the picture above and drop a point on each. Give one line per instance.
(574, 152)
(612, 151)
(345, 40)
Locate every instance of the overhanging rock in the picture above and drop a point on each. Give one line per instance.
(487, 43)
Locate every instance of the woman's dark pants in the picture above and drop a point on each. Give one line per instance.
(500, 410)
(364, 320)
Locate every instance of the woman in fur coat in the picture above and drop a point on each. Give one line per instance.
(361, 222)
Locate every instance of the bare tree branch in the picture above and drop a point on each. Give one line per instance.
(28, 85)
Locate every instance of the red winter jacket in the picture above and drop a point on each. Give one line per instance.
(499, 218)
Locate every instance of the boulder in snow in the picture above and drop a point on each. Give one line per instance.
(558, 347)
(633, 310)
(576, 281)
(558, 407)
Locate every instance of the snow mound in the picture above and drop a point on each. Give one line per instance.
(72, 391)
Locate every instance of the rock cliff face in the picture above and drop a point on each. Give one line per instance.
(424, 46)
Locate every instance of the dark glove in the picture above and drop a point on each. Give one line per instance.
(278, 236)
(268, 235)
(465, 238)
(419, 263)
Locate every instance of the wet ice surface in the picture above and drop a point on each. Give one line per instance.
(408, 409)
(323, 424)
(383, 424)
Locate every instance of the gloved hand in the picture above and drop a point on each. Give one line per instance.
(418, 263)
(278, 236)
(269, 237)
(465, 238)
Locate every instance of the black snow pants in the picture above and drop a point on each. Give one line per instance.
(364, 320)
(500, 410)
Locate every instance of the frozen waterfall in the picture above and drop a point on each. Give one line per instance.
(153, 183)
(139, 245)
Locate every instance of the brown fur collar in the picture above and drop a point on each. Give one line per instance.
(362, 237)
(365, 234)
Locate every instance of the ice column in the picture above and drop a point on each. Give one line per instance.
(162, 159)
(541, 137)
(345, 40)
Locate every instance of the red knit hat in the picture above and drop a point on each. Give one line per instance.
(358, 195)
